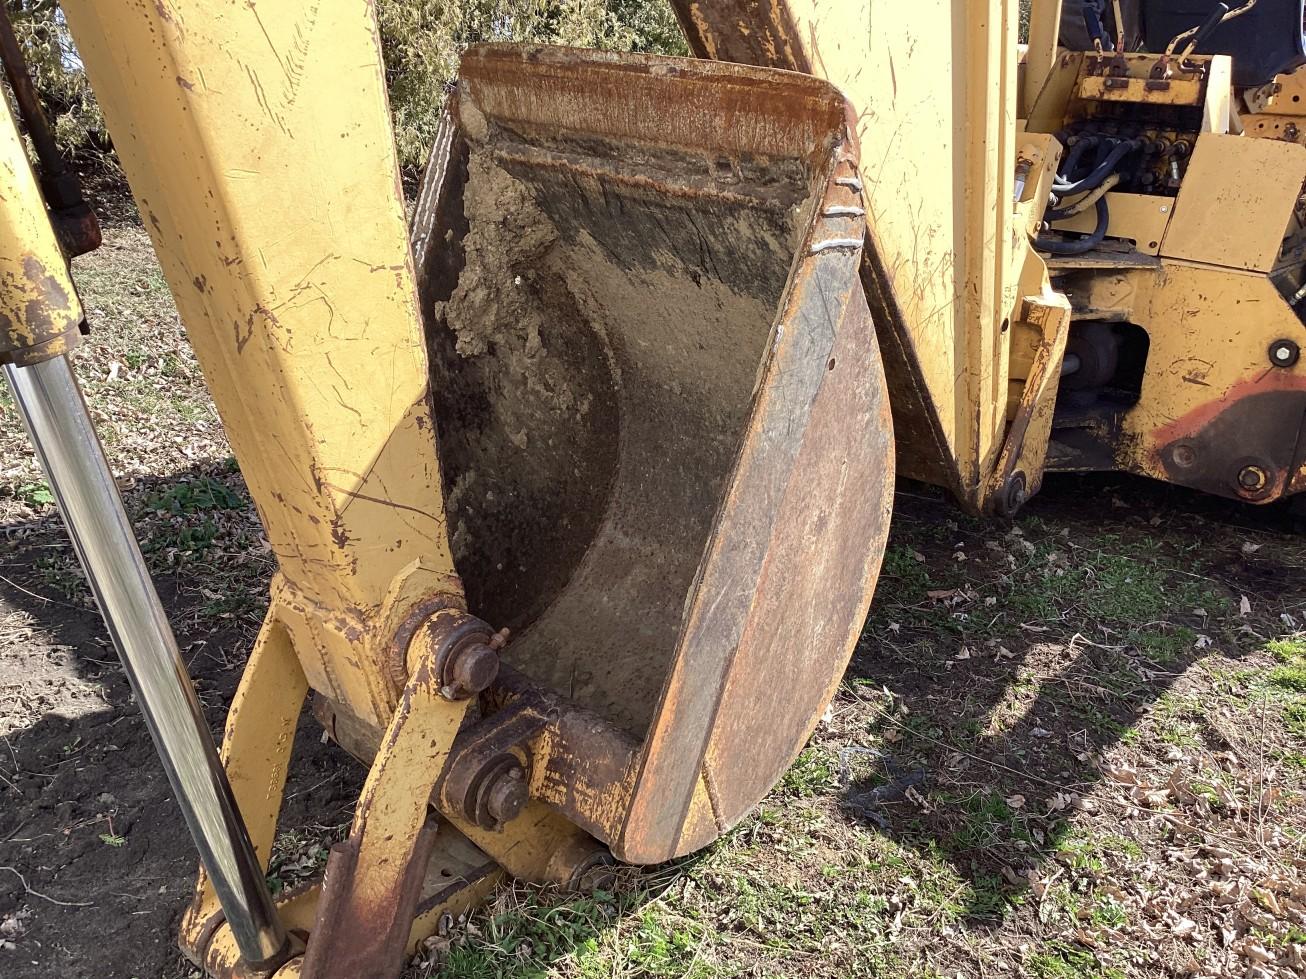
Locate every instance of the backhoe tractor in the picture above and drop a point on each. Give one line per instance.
(579, 478)
(1076, 259)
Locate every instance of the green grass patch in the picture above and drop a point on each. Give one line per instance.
(1294, 718)
(35, 494)
(1061, 960)
(1290, 678)
(988, 820)
(1037, 576)
(543, 928)
(1088, 851)
(186, 538)
(1164, 647)
(1290, 650)
(1109, 913)
(813, 773)
(196, 496)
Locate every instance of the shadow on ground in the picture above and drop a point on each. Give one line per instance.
(92, 845)
(1000, 663)
(1004, 662)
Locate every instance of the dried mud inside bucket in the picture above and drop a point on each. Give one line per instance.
(593, 371)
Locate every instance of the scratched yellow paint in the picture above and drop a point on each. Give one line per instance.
(935, 86)
(257, 141)
(39, 309)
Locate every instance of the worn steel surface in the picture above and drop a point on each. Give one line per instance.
(1139, 218)
(1195, 89)
(539, 844)
(258, 146)
(731, 423)
(256, 751)
(458, 877)
(1211, 400)
(1041, 54)
(374, 878)
(1198, 278)
(1236, 202)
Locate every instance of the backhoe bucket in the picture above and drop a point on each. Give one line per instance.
(662, 421)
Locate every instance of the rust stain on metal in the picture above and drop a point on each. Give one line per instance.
(1248, 444)
(39, 314)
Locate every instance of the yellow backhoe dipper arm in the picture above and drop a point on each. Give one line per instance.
(635, 413)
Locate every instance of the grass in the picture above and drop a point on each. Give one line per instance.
(812, 773)
(1294, 716)
(523, 938)
(36, 494)
(1289, 678)
(1290, 675)
(1051, 734)
(1064, 961)
(1284, 686)
(196, 496)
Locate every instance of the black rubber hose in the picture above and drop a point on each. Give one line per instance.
(1055, 246)
(1058, 213)
(1076, 166)
(1071, 163)
(1209, 26)
(1100, 173)
(1075, 154)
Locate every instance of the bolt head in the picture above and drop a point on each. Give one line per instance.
(1184, 456)
(1284, 353)
(507, 795)
(1252, 478)
(1014, 494)
(473, 669)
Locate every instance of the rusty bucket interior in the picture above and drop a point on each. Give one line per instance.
(661, 415)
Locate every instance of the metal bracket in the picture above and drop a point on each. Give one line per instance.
(1018, 472)
(374, 878)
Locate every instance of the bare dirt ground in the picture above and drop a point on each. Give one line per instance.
(1069, 746)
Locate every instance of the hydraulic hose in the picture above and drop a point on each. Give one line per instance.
(1075, 154)
(1100, 172)
(1085, 202)
(1087, 243)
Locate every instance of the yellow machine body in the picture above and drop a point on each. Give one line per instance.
(40, 314)
(1198, 280)
(619, 398)
(578, 482)
(956, 290)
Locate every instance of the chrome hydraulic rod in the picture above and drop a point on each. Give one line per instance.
(54, 411)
